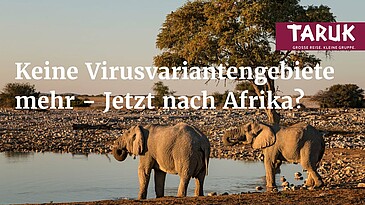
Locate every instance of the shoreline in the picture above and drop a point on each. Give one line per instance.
(337, 196)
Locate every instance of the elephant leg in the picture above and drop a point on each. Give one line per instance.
(160, 177)
(277, 166)
(314, 179)
(199, 181)
(270, 173)
(184, 182)
(144, 172)
(144, 178)
(309, 182)
(315, 175)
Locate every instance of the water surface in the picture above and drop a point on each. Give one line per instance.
(50, 177)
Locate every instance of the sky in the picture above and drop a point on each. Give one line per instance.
(69, 33)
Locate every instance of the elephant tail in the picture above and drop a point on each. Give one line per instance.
(206, 153)
(321, 153)
(206, 157)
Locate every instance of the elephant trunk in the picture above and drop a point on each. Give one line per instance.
(119, 153)
(227, 141)
(234, 136)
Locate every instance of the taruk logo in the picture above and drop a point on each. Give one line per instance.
(322, 33)
(320, 36)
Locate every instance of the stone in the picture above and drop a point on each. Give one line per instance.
(275, 190)
(298, 178)
(297, 174)
(285, 184)
(212, 194)
(282, 179)
(294, 188)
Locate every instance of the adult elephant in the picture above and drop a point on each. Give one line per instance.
(299, 143)
(181, 149)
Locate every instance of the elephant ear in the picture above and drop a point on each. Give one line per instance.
(138, 142)
(265, 137)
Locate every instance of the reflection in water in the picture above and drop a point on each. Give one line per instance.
(18, 157)
(80, 156)
(18, 154)
(45, 177)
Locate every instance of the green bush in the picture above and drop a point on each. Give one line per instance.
(220, 98)
(79, 102)
(160, 90)
(7, 95)
(341, 96)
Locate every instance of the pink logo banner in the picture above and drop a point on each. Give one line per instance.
(320, 36)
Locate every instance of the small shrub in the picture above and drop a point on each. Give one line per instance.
(341, 96)
(220, 98)
(79, 102)
(7, 95)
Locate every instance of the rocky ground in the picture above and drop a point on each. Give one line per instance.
(336, 196)
(91, 131)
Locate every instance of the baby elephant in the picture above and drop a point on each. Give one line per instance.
(299, 143)
(181, 149)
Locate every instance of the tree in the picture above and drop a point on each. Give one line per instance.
(244, 85)
(160, 90)
(338, 96)
(7, 95)
(234, 33)
(220, 98)
(78, 102)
